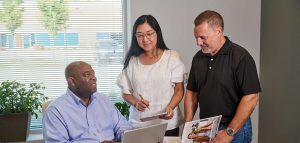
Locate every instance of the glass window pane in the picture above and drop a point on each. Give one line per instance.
(43, 39)
(93, 33)
(59, 39)
(71, 39)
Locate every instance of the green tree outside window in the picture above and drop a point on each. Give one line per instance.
(11, 14)
(54, 15)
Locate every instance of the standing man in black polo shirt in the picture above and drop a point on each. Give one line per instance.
(223, 80)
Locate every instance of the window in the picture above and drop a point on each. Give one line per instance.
(93, 33)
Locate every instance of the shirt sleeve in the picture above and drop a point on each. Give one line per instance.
(247, 76)
(120, 122)
(192, 84)
(54, 129)
(178, 68)
(124, 83)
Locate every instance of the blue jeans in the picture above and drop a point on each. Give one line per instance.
(244, 135)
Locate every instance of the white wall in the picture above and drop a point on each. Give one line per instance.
(242, 25)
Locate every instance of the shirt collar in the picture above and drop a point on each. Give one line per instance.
(78, 100)
(224, 49)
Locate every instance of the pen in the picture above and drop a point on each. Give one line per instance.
(143, 99)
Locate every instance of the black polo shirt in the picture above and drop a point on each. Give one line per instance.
(222, 80)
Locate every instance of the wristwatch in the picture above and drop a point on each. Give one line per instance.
(230, 131)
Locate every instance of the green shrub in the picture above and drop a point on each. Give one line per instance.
(123, 107)
(17, 98)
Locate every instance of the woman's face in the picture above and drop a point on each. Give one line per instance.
(146, 37)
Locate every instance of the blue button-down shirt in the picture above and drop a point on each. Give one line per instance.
(67, 119)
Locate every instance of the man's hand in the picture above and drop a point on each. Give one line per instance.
(222, 137)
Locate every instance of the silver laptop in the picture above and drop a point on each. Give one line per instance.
(150, 134)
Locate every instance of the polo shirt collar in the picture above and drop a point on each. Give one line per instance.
(224, 50)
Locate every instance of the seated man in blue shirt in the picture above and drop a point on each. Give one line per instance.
(82, 114)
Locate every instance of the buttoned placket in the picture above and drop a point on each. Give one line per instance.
(210, 65)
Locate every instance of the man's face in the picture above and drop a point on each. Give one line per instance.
(85, 82)
(206, 37)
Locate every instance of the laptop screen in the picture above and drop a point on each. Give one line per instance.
(149, 134)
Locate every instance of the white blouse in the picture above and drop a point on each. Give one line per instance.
(156, 84)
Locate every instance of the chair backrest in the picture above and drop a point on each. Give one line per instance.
(45, 105)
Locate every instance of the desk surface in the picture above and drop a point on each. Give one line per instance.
(172, 140)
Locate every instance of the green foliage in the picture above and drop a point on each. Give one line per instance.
(123, 107)
(11, 14)
(16, 98)
(54, 15)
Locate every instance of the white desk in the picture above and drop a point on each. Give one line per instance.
(172, 140)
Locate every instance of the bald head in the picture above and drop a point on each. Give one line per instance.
(81, 79)
(72, 68)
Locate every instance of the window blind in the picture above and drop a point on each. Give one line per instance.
(93, 33)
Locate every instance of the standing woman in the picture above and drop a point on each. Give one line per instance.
(152, 77)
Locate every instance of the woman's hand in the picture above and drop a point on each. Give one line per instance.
(141, 105)
(169, 115)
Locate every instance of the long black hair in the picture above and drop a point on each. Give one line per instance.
(135, 49)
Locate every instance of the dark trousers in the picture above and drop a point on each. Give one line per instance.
(173, 132)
